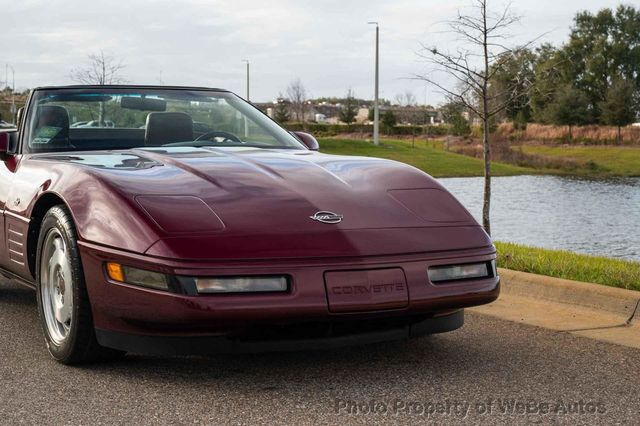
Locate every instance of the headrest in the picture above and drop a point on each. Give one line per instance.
(52, 128)
(53, 116)
(168, 127)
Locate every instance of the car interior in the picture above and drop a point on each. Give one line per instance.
(79, 120)
(53, 132)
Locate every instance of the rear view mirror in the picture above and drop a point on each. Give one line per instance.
(308, 140)
(143, 104)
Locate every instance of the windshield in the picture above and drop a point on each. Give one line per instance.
(121, 118)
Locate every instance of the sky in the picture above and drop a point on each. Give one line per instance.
(327, 44)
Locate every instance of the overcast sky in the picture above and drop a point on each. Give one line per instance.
(326, 43)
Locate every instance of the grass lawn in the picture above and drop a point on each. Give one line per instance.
(568, 265)
(611, 160)
(424, 156)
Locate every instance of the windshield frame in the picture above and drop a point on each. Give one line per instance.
(272, 127)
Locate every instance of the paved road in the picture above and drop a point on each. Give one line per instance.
(461, 371)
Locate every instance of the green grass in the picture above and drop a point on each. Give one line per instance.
(609, 160)
(568, 265)
(429, 157)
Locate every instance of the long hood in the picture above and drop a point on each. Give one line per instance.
(246, 202)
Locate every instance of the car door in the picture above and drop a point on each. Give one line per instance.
(10, 238)
(17, 188)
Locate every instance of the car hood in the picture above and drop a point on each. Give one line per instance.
(248, 202)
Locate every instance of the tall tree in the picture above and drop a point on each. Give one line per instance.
(281, 111)
(349, 109)
(452, 114)
(514, 78)
(552, 70)
(601, 47)
(570, 107)
(297, 95)
(619, 107)
(388, 120)
(473, 65)
(101, 70)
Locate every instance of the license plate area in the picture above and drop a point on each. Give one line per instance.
(366, 290)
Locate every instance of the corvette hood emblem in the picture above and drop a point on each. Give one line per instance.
(327, 217)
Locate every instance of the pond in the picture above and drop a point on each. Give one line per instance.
(600, 217)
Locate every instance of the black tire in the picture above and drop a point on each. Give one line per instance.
(79, 345)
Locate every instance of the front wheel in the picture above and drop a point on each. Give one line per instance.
(63, 302)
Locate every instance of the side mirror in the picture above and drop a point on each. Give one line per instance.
(307, 139)
(19, 117)
(7, 144)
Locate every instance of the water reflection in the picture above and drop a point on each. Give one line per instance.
(590, 216)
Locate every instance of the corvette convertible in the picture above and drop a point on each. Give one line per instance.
(186, 221)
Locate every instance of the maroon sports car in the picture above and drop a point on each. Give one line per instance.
(188, 222)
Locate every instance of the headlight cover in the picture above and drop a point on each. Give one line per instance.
(139, 277)
(242, 284)
(193, 286)
(445, 273)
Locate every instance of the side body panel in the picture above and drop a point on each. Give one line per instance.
(6, 176)
(100, 213)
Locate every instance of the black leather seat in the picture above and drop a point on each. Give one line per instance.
(168, 127)
(52, 128)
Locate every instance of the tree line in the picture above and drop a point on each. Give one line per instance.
(593, 78)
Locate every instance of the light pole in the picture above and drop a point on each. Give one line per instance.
(14, 110)
(247, 62)
(376, 109)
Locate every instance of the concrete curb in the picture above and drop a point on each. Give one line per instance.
(594, 311)
(593, 296)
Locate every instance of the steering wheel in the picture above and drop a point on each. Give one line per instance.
(219, 134)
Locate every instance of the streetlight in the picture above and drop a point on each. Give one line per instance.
(13, 109)
(376, 110)
(247, 62)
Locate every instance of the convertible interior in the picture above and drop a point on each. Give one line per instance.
(161, 128)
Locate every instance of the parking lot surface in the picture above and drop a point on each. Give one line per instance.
(490, 371)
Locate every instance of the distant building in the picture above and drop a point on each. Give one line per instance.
(325, 112)
(362, 116)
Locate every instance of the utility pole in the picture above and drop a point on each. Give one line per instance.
(247, 62)
(376, 108)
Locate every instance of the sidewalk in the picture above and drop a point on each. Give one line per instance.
(590, 310)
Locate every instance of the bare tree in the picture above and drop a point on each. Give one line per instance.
(406, 99)
(297, 95)
(482, 51)
(101, 70)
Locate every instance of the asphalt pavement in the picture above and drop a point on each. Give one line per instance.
(490, 371)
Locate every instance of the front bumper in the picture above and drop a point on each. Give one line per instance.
(324, 335)
(124, 314)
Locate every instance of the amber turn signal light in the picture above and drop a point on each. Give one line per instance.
(114, 270)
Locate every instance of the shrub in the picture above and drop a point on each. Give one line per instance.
(325, 129)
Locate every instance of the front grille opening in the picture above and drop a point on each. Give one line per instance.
(324, 329)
